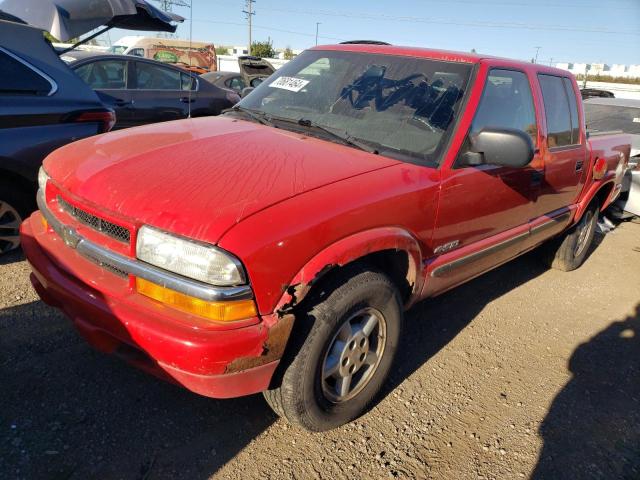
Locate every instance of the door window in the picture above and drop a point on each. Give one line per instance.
(506, 102)
(236, 83)
(137, 52)
(559, 112)
(575, 126)
(19, 79)
(188, 82)
(155, 77)
(104, 74)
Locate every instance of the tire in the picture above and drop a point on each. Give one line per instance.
(15, 206)
(570, 251)
(323, 351)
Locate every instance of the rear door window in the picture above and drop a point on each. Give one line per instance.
(560, 114)
(573, 108)
(188, 82)
(104, 74)
(19, 79)
(156, 77)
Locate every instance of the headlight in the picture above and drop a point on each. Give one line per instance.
(43, 178)
(189, 258)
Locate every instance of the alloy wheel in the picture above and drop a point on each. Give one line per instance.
(585, 233)
(353, 355)
(10, 221)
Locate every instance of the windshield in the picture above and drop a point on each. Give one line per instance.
(117, 49)
(612, 117)
(396, 104)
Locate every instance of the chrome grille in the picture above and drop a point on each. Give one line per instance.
(108, 267)
(103, 226)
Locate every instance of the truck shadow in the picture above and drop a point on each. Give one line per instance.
(592, 429)
(69, 412)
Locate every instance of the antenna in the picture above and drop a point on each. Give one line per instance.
(167, 6)
(249, 13)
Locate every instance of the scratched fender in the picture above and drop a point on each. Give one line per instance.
(350, 249)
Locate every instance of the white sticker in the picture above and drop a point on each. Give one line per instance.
(289, 83)
(636, 120)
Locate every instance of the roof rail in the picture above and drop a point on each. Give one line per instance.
(364, 42)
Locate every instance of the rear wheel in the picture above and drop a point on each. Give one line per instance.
(343, 347)
(14, 208)
(570, 251)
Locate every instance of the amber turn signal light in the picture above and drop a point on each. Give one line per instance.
(216, 311)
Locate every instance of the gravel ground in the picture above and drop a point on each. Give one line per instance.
(523, 372)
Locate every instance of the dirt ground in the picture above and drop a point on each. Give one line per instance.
(523, 372)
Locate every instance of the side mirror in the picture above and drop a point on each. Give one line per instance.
(246, 91)
(506, 147)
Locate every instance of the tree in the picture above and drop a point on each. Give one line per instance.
(50, 37)
(288, 53)
(222, 50)
(263, 49)
(53, 39)
(473, 50)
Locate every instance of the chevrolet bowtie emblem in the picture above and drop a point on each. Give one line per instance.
(70, 237)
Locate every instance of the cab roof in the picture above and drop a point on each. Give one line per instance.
(436, 54)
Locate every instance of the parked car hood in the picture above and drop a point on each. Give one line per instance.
(199, 177)
(67, 19)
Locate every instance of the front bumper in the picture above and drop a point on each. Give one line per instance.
(115, 319)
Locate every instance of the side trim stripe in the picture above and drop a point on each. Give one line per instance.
(447, 268)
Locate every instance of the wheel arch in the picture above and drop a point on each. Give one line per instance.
(392, 250)
(601, 193)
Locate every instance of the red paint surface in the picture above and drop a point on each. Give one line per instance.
(288, 206)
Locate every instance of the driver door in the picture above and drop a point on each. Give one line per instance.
(484, 210)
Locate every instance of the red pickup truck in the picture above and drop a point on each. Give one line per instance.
(274, 249)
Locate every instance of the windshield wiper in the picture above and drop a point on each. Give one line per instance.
(344, 137)
(255, 115)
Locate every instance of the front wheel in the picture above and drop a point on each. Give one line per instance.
(570, 251)
(347, 340)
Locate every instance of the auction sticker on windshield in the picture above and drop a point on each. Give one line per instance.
(289, 83)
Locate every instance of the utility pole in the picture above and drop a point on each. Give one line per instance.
(167, 6)
(551, 62)
(537, 50)
(249, 13)
(317, 25)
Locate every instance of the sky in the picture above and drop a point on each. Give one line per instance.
(590, 31)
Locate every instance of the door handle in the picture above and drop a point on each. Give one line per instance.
(187, 100)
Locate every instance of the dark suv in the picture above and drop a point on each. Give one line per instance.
(43, 105)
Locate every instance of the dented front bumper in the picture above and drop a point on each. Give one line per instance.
(219, 361)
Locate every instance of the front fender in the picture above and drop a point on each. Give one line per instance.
(350, 249)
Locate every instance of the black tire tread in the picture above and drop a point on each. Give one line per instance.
(559, 253)
(285, 399)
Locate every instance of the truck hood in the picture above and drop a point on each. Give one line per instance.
(199, 177)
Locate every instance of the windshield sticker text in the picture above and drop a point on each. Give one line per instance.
(289, 83)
